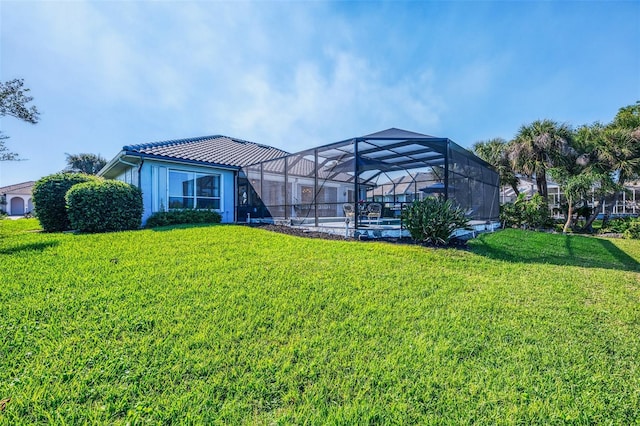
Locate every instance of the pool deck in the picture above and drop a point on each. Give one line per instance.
(384, 228)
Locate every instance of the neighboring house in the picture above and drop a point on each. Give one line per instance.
(627, 204)
(188, 173)
(16, 200)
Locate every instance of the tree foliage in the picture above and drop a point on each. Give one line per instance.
(85, 163)
(628, 117)
(575, 186)
(538, 147)
(5, 153)
(496, 152)
(594, 160)
(14, 102)
(526, 213)
(612, 152)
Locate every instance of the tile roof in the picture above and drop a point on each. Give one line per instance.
(24, 188)
(218, 149)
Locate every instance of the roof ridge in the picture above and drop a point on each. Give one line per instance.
(261, 145)
(17, 186)
(169, 142)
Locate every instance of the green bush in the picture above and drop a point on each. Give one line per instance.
(526, 213)
(633, 229)
(177, 217)
(618, 225)
(104, 206)
(433, 220)
(49, 202)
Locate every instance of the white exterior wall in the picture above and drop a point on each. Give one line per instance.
(25, 200)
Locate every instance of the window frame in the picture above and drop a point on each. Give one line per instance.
(193, 176)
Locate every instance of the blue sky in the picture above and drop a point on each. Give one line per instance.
(299, 74)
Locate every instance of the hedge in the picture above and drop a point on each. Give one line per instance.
(49, 202)
(177, 217)
(104, 206)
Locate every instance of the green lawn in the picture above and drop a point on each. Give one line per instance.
(229, 324)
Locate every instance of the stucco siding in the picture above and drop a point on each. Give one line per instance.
(154, 180)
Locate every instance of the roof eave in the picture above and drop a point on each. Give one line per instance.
(111, 164)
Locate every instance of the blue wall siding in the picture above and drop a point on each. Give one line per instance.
(153, 183)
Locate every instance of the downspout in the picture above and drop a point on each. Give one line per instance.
(138, 165)
(139, 174)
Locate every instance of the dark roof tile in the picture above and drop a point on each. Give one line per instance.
(218, 149)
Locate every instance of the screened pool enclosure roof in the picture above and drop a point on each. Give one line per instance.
(391, 167)
(391, 150)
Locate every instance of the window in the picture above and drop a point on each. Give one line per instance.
(306, 194)
(188, 190)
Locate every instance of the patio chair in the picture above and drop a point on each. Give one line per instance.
(349, 210)
(374, 211)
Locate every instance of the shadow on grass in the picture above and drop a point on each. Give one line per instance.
(28, 247)
(555, 249)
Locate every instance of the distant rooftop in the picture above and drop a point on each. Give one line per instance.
(23, 188)
(218, 149)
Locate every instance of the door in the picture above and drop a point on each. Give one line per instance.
(17, 206)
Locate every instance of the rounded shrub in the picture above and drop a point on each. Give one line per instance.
(433, 220)
(49, 202)
(104, 206)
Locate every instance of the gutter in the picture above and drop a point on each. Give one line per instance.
(120, 160)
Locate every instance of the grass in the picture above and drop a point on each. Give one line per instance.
(229, 324)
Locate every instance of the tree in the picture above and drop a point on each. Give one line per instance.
(5, 154)
(613, 152)
(628, 117)
(575, 186)
(496, 152)
(539, 146)
(13, 103)
(84, 163)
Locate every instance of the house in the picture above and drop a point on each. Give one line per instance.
(188, 173)
(628, 204)
(16, 200)
(246, 181)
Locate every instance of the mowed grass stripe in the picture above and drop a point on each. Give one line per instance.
(229, 324)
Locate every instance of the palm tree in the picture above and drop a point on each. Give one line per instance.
(496, 152)
(614, 154)
(85, 163)
(538, 147)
